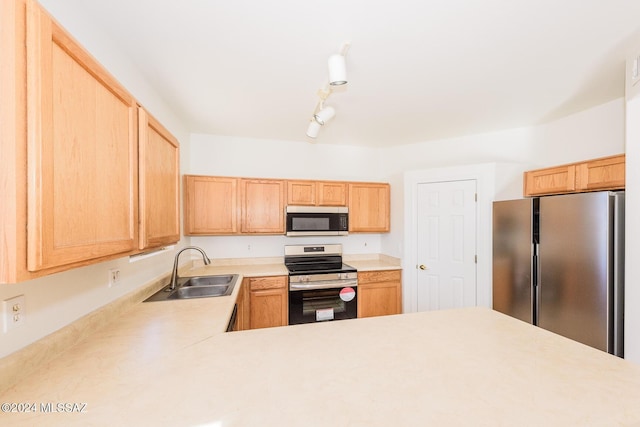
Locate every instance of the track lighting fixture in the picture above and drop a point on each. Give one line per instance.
(319, 119)
(337, 77)
(313, 129)
(337, 70)
(324, 115)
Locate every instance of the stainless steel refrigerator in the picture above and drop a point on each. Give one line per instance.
(558, 263)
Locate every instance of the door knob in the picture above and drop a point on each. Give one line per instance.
(422, 267)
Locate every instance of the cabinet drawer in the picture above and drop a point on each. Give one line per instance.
(379, 276)
(274, 282)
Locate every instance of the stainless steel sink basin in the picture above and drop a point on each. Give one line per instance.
(197, 287)
(200, 292)
(221, 280)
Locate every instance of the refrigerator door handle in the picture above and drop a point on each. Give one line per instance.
(535, 283)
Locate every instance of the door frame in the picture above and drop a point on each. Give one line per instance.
(484, 175)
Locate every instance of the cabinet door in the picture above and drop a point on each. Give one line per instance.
(368, 207)
(555, 180)
(210, 205)
(268, 302)
(301, 193)
(82, 152)
(242, 315)
(316, 193)
(332, 193)
(601, 174)
(262, 206)
(379, 293)
(13, 173)
(159, 184)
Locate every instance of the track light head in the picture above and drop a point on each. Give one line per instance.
(337, 70)
(313, 129)
(319, 119)
(324, 115)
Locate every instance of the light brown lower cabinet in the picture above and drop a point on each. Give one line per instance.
(379, 293)
(268, 301)
(242, 313)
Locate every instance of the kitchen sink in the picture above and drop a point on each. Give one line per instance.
(220, 280)
(197, 287)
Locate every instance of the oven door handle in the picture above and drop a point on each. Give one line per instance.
(329, 284)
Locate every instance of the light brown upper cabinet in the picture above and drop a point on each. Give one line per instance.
(262, 203)
(607, 173)
(601, 174)
(70, 165)
(555, 180)
(210, 205)
(227, 205)
(224, 205)
(332, 193)
(159, 183)
(301, 193)
(369, 207)
(13, 173)
(82, 152)
(317, 193)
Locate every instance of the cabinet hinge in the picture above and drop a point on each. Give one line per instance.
(476, 197)
(476, 259)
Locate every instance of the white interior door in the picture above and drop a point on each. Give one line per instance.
(446, 252)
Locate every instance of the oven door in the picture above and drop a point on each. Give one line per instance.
(311, 305)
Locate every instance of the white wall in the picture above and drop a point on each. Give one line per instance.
(632, 273)
(596, 132)
(57, 300)
(261, 158)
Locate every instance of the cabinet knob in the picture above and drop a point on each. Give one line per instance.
(422, 267)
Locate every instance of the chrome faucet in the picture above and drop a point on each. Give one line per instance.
(174, 272)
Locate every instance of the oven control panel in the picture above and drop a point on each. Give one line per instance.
(323, 277)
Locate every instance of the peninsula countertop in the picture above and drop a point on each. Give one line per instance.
(169, 363)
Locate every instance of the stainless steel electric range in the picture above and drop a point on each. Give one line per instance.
(321, 286)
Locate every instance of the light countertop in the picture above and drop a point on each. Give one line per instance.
(170, 363)
(275, 266)
(372, 263)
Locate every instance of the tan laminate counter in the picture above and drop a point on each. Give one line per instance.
(170, 363)
(372, 262)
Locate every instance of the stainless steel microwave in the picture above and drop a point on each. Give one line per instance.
(317, 221)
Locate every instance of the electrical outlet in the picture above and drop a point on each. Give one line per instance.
(114, 277)
(14, 312)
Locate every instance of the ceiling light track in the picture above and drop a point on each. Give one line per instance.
(337, 77)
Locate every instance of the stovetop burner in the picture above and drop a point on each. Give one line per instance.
(320, 268)
(316, 259)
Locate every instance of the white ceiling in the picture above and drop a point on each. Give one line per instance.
(418, 70)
